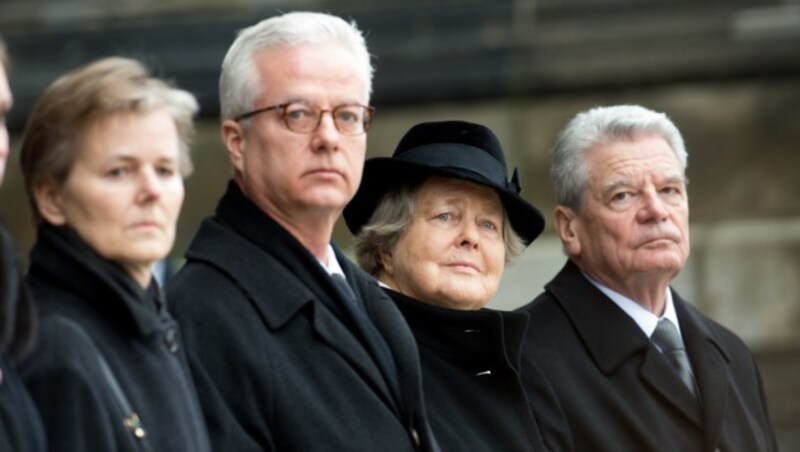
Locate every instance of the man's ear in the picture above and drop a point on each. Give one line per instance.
(233, 137)
(50, 202)
(567, 224)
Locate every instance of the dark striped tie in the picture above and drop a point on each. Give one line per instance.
(668, 340)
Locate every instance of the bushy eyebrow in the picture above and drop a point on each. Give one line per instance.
(620, 183)
(615, 185)
(680, 180)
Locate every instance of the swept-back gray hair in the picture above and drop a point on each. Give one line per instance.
(390, 220)
(598, 126)
(240, 84)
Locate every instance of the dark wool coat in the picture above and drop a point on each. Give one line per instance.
(20, 427)
(470, 372)
(86, 303)
(619, 393)
(276, 366)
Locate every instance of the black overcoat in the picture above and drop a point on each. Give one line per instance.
(277, 369)
(617, 391)
(470, 372)
(87, 305)
(20, 427)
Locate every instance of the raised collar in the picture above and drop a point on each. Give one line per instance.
(593, 314)
(62, 260)
(646, 320)
(254, 243)
(483, 333)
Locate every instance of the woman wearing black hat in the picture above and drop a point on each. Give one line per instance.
(436, 223)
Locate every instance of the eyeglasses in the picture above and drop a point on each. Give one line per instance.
(303, 117)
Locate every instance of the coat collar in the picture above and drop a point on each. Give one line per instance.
(61, 259)
(592, 313)
(255, 243)
(612, 338)
(710, 361)
(476, 334)
(243, 243)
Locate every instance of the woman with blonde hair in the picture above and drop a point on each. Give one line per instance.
(104, 154)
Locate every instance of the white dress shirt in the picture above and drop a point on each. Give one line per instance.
(646, 320)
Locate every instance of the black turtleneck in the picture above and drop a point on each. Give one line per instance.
(90, 310)
(471, 377)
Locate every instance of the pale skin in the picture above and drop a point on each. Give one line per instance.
(301, 180)
(6, 101)
(124, 191)
(452, 254)
(632, 233)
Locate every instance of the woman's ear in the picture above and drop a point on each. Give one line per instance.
(50, 202)
(567, 224)
(387, 266)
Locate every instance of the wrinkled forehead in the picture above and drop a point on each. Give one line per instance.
(641, 152)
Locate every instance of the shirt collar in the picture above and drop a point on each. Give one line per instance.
(646, 320)
(332, 267)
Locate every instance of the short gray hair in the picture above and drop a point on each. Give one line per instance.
(390, 220)
(598, 126)
(240, 84)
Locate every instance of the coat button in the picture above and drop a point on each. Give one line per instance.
(414, 436)
(171, 340)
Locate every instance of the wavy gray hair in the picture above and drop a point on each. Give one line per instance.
(390, 219)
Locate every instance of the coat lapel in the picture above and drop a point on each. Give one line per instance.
(613, 339)
(663, 380)
(244, 263)
(390, 322)
(333, 332)
(710, 365)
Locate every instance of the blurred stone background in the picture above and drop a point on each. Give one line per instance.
(727, 73)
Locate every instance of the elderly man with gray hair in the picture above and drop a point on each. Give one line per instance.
(633, 366)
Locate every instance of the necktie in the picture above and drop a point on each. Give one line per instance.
(369, 334)
(668, 340)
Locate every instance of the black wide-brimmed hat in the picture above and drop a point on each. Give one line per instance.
(456, 149)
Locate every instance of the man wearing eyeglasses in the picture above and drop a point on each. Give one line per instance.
(292, 347)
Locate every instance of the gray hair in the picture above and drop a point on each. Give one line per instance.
(598, 126)
(390, 219)
(239, 82)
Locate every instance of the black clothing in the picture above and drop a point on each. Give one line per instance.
(20, 426)
(619, 392)
(470, 372)
(88, 304)
(278, 364)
